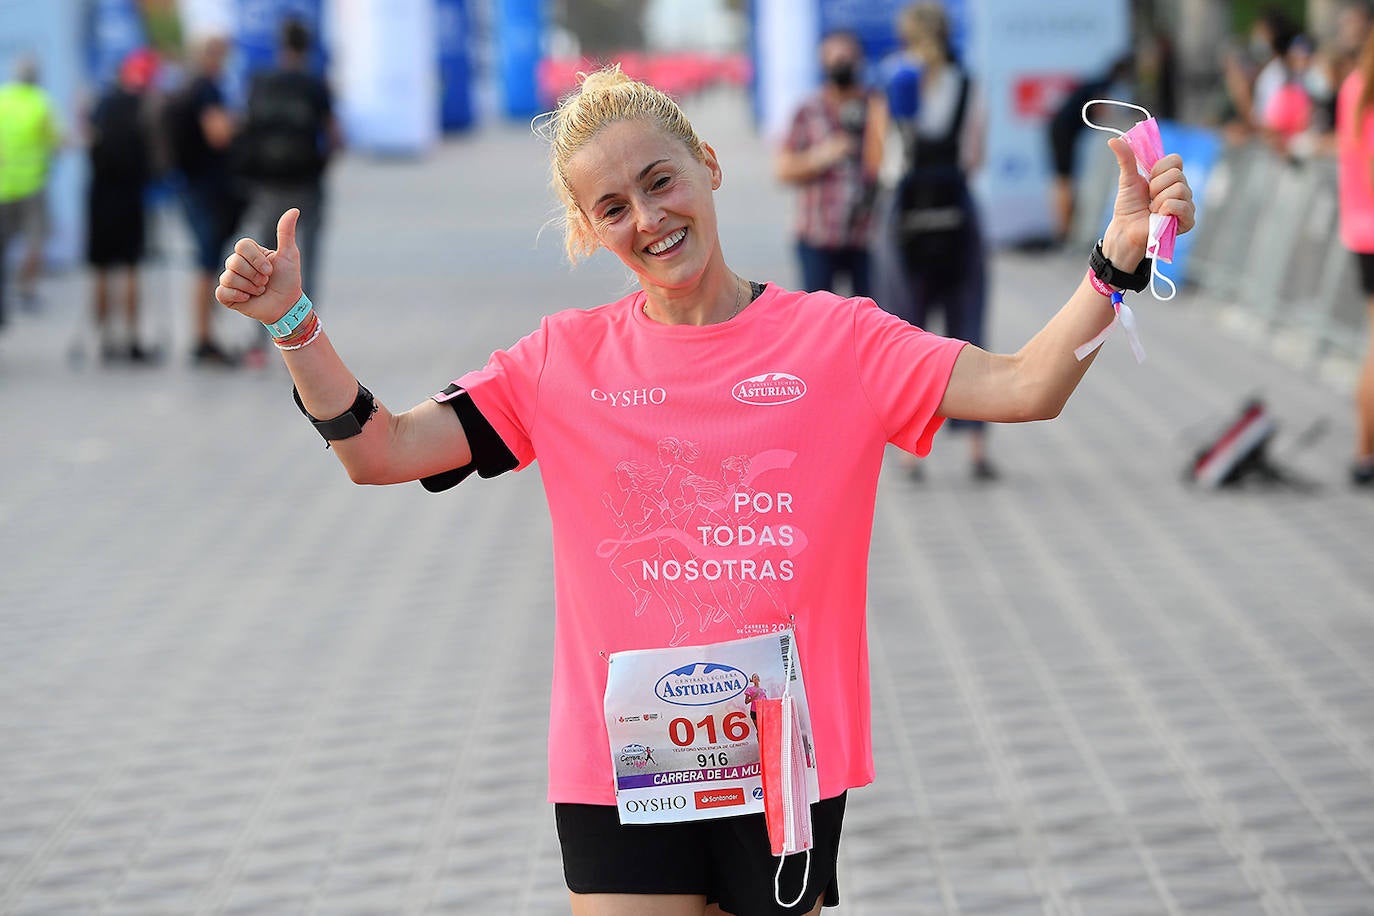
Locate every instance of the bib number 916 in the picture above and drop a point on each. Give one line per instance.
(734, 727)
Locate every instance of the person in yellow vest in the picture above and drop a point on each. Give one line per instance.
(29, 136)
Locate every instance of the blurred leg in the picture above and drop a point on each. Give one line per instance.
(1364, 399)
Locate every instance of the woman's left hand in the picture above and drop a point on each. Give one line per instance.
(1166, 192)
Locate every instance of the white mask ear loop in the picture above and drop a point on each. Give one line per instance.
(1156, 275)
(1111, 130)
(777, 882)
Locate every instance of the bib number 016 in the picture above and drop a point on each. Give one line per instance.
(734, 727)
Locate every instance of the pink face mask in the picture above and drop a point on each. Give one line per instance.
(784, 757)
(1145, 143)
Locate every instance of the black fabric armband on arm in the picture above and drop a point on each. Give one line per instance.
(490, 456)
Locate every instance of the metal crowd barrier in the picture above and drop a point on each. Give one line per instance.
(1268, 244)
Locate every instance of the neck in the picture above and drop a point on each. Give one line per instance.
(719, 296)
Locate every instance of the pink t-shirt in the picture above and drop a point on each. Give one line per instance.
(1355, 154)
(707, 483)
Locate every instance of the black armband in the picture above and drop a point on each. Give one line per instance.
(490, 455)
(347, 424)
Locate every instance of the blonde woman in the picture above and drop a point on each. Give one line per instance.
(807, 387)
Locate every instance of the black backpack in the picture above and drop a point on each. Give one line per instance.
(280, 140)
(119, 149)
(931, 200)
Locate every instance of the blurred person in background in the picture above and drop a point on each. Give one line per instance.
(1287, 114)
(29, 138)
(1336, 58)
(933, 253)
(1066, 126)
(823, 157)
(1355, 144)
(288, 134)
(121, 166)
(200, 130)
(1253, 75)
(633, 177)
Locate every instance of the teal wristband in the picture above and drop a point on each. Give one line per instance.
(287, 323)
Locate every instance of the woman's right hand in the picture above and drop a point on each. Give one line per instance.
(263, 283)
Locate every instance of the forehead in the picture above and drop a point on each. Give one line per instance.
(618, 152)
(834, 44)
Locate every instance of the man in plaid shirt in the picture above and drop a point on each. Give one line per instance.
(824, 156)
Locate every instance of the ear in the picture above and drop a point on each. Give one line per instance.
(712, 164)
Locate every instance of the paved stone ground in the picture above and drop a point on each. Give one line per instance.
(233, 683)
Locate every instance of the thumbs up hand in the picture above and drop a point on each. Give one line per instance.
(1166, 191)
(263, 283)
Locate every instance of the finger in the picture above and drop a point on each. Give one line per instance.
(1125, 160)
(253, 253)
(286, 230)
(238, 264)
(1170, 180)
(231, 280)
(1171, 161)
(1183, 211)
(229, 297)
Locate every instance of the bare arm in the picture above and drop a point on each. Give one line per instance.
(1035, 382)
(392, 448)
(801, 166)
(875, 134)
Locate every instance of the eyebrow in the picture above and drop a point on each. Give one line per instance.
(640, 177)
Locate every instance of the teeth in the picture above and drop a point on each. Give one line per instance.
(669, 242)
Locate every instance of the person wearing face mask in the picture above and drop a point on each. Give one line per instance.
(823, 156)
(929, 250)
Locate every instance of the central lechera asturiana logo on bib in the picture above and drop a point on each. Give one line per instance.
(700, 684)
(768, 389)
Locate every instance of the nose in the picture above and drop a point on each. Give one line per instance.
(648, 214)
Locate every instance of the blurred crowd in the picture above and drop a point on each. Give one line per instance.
(1281, 86)
(162, 136)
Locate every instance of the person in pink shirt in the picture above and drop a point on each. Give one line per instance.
(1355, 152)
(710, 450)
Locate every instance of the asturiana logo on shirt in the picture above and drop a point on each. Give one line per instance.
(700, 684)
(769, 388)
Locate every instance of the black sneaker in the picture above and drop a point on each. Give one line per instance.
(985, 471)
(1362, 473)
(208, 353)
(141, 357)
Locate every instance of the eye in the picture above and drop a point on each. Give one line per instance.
(611, 212)
(661, 182)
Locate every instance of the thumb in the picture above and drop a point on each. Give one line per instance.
(1125, 159)
(286, 229)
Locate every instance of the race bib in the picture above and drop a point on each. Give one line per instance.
(683, 737)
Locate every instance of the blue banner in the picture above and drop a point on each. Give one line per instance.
(455, 65)
(875, 22)
(115, 29)
(520, 27)
(258, 36)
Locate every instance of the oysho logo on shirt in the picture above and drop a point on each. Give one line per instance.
(769, 388)
(631, 397)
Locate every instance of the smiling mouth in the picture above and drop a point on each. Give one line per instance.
(667, 244)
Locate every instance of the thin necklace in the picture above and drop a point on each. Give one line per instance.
(739, 300)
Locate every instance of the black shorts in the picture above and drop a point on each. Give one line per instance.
(1366, 273)
(728, 860)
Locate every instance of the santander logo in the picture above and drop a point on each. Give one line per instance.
(769, 389)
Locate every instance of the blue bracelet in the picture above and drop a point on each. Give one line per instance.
(287, 323)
